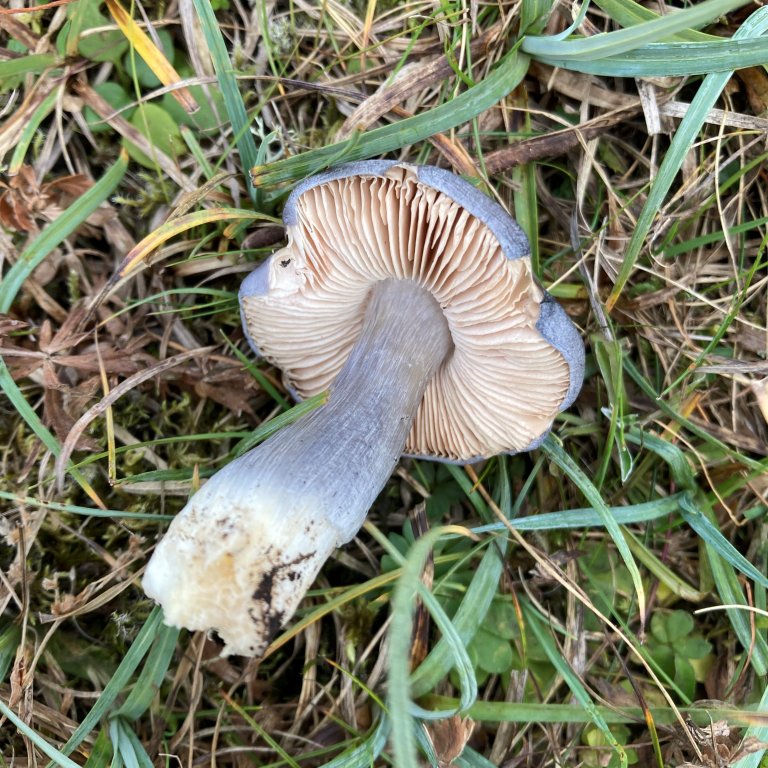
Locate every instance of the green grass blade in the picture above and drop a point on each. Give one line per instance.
(663, 573)
(130, 663)
(624, 40)
(30, 129)
(101, 753)
(627, 13)
(152, 674)
(712, 536)
(585, 485)
(589, 518)
(47, 749)
(694, 429)
(492, 89)
(400, 635)
(233, 100)
(31, 257)
(31, 64)
(759, 732)
(708, 93)
(546, 642)
(670, 59)
(55, 233)
(462, 664)
(467, 620)
(731, 593)
(364, 755)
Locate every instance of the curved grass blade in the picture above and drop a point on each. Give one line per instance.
(507, 75)
(627, 13)
(469, 615)
(720, 552)
(400, 633)
(588, 518)
(30, 129)
(756, 25)
(169, 229)
(47, 749)
(364, 755)
(585, 485)
(622, 41)
(712, 536)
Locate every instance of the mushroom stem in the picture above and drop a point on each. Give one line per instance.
(242, 553)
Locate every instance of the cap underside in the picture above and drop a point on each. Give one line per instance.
(502, 385)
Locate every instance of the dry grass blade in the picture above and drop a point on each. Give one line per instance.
(152, 55)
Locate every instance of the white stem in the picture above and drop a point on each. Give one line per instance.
(242, 553)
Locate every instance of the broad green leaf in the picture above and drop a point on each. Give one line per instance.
(160, 129)
(117, 98)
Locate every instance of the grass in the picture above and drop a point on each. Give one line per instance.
(599, 602)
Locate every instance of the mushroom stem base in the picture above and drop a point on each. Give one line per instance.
(242, 553)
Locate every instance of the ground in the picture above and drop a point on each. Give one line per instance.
(591, 630)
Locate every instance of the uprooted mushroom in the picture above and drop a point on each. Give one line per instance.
(408, 295)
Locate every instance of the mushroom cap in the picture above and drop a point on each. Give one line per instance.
(517, 359)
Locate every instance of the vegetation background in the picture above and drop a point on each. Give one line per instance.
(599, 602)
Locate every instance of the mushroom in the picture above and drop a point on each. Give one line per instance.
(408, 295)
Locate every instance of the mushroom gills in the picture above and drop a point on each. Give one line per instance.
(241, 554)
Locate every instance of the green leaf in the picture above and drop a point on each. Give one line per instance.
(108, 44)
(679, 625)
(160, 129)
(115, 95)
(685, 677)
(494, 653)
